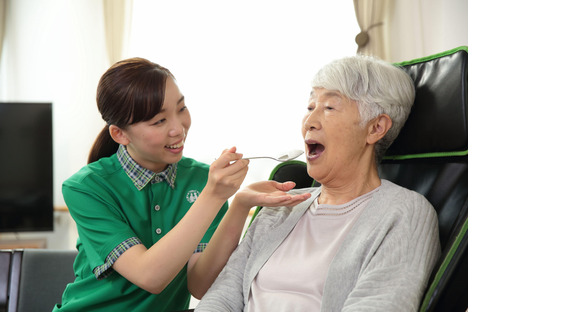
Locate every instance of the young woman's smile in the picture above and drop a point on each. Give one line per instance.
(177, 147)
(158, 142)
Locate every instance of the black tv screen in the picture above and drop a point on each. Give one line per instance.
(26, 186)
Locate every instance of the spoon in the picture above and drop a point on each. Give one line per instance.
(282, 158)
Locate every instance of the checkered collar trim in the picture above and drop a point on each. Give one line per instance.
(141, 176)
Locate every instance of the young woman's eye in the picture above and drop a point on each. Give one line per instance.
(183, 109)
(160, 121)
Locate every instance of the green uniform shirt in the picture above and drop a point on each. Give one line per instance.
(117, 204)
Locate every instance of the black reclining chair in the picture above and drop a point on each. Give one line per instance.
(430, 157)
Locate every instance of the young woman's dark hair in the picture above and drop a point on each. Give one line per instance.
(129, 92)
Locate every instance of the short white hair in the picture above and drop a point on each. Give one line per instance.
(377, 87)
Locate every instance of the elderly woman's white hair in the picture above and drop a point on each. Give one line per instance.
(377, 86)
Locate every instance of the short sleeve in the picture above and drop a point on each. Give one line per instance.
(101, 226)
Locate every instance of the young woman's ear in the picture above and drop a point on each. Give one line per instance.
(378, 127)
(118, 135)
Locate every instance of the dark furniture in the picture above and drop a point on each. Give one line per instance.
(35, 279)
(26, 197)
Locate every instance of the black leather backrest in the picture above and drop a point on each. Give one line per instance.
(438, 119)
(293, 170)
(430, 154)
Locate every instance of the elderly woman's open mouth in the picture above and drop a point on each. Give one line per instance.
(315, 149)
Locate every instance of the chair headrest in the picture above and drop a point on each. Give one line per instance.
(437, 124)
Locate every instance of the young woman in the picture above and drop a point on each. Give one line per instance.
(148, 218)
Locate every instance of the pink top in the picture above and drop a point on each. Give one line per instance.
(294, 276)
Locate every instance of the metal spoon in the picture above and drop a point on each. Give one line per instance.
(282, 158)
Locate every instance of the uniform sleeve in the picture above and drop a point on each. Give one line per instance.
(226, 293)
(396, 276)
(212, 228)
(102, 228)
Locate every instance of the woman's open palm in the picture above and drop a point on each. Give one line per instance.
(269, 193)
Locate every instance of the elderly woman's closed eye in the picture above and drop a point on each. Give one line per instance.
(359, 242)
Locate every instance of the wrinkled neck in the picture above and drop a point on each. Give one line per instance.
(344, 190)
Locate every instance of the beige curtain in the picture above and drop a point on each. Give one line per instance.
(402, 30)
(2, 23)
(371, 15)
(407, 21)
(117, 15)
(419, 28)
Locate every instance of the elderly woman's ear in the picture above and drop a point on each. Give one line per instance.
(378, 127)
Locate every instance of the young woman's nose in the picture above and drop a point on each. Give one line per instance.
(176, 129)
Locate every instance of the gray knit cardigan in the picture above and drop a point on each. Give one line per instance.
(383, 264)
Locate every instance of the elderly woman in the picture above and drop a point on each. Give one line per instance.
(358, 243)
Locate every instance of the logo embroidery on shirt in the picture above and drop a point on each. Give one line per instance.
(192, 196)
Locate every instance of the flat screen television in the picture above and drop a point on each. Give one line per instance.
(26, 170)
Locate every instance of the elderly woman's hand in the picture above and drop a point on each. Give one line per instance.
(268, 193)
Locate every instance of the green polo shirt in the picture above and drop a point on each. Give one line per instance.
(117, 204)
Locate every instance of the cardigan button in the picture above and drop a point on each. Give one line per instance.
(158, 231)
(157, 208)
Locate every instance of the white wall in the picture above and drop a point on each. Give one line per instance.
(245, 77)
(53, 53)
